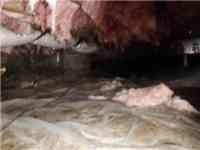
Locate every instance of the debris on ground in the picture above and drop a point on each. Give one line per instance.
(2, 70)
(152, 96)
(112, 85)
(97, 97)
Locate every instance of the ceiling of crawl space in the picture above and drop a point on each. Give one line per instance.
(107, 24)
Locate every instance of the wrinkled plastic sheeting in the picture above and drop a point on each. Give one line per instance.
(33, 134)
(90, 125)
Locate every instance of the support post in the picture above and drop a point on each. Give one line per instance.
(185, 60)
